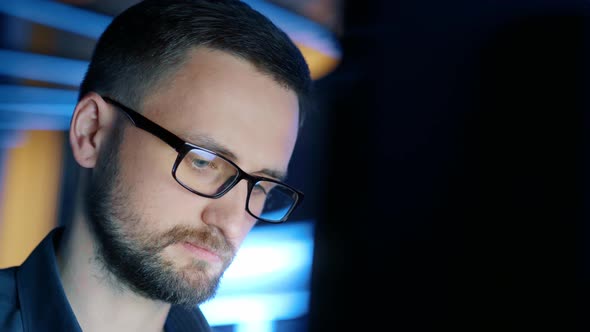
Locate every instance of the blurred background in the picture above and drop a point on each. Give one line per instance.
(444, 168)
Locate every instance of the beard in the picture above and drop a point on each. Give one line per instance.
(133, 254)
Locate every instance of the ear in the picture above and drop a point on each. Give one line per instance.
(91, 124)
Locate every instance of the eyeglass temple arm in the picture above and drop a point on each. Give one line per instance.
(148, 125)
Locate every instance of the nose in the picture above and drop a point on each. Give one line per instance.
(228, 213)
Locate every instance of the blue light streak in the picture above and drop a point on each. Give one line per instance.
(35, 108)
(42, 67)
(90, 24)
(57, 15)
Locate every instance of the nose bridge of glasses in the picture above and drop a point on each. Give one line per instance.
(237, 193)
(237, 177)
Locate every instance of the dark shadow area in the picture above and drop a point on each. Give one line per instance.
(454, 191)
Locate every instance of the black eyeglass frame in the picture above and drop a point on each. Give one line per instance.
(183, 147)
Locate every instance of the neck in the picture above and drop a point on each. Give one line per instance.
(99, 301)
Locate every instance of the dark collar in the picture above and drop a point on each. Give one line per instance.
(44, 305)
(43, 302)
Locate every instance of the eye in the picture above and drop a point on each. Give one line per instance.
(202, 163)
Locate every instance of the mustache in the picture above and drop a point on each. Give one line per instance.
(208, 238)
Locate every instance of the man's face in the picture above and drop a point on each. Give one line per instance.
(144, 220)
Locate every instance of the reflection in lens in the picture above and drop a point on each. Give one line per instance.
(205, 172)
(275, 204)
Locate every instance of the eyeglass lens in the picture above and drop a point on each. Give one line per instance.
(208, 174)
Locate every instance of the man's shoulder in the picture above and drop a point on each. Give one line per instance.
(8, 284)
(10, 319)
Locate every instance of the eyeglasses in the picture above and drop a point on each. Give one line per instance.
(208, 174)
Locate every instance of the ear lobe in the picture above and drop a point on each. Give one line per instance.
(90, 126)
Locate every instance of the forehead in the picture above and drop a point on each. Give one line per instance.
(226, 99)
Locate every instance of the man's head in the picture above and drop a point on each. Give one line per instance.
(145, 46)
(215, 73)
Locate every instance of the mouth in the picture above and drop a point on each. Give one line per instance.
(201, 253)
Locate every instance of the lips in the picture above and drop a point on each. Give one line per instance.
(202, 252)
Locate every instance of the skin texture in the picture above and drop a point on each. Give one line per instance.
(135, 201)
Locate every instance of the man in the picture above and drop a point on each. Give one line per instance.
(185, 125)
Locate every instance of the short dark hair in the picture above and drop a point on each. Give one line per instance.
(149, 42)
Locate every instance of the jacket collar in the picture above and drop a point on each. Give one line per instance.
(44, 304)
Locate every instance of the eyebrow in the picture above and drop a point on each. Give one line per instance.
(209, 143)
(273, 173)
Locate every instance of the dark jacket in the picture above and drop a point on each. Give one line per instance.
(32, 298)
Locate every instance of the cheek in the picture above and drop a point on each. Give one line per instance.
(244, 231)
(143, 161)
(152, 192)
